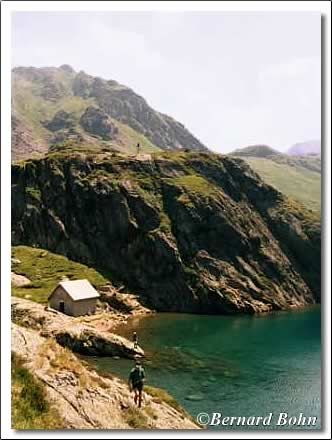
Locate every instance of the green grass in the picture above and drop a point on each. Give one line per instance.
(193, 184)
(29, 406)
(33, 192)
(296, 182)
(45, 270)
(128, 138)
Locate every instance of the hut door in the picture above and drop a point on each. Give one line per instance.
(62, 306)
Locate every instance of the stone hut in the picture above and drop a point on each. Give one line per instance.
(74, 298)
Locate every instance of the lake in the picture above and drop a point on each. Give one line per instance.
(235, 365)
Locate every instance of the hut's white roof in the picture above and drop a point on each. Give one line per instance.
(79, 289)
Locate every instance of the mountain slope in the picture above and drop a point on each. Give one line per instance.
(52, 106)
(191, 232)
(298, 177)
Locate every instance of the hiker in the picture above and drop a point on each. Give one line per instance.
(135, 340)
(138, 147)
(136, 382)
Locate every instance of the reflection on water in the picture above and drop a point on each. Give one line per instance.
(239, 366)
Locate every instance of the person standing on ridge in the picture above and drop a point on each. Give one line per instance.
(135, 340)
(138, 148)
(136, 382)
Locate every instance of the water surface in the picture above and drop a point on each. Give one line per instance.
(236, 365)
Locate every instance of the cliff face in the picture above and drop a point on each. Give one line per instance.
(53, 105)
(191, 232)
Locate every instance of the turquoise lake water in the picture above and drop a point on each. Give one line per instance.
(235, 365)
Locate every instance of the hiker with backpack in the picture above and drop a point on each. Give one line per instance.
(136, 382)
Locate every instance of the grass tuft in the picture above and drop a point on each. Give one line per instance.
(135, 418)
(29, 405)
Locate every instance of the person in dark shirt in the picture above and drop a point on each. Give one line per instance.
(136, 382)
(135, 340)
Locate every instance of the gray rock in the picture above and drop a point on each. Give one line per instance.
(195, 397)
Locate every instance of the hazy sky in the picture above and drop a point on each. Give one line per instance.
(233, 79)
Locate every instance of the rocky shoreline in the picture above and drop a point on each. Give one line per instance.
(84, 335)
(85, 399)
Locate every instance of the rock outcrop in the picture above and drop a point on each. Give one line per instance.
(19, 280)
(84, 399)
(71, 332)
(190, 232)
(96, 121)
(24, 143)
(60, 121)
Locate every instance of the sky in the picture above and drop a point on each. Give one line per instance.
(233, 79)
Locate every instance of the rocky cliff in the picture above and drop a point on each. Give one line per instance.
(190, 232)
(53, 105)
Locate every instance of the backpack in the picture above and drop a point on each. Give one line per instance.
(137, 375)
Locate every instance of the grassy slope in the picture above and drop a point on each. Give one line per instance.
(45, 270)
(295, 181)
(29, 405)
(128, 139)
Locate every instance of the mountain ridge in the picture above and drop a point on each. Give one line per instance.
(56, 98)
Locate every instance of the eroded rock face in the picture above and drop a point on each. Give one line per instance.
(24, 142)
(60, 121)
(194, 233)
(97, 122)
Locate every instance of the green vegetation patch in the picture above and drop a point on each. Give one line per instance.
(33, 192)
(30, 408)
(46, 270)
(128, 138)
(194, 185)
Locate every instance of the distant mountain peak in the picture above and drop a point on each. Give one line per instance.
(255, 151)
(305, 148)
